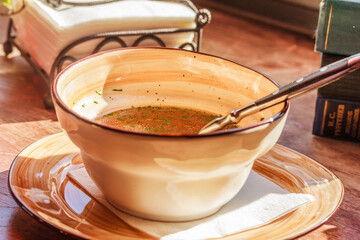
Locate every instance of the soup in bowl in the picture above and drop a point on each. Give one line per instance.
(129, 112)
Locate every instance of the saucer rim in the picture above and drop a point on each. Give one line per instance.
(79, 235)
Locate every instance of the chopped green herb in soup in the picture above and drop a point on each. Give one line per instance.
(158, 120)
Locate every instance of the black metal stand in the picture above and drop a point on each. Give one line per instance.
(203, 17)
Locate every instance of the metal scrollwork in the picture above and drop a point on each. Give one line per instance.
(109, 40)
(150, 36)
(185, 45)
(63, 60)
(203, 17)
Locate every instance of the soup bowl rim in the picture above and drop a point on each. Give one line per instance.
(60, 103)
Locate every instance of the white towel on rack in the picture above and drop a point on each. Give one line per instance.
(44, 31)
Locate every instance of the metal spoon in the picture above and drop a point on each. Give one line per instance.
(319, 78)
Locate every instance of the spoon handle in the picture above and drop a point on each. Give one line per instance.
(319, 78)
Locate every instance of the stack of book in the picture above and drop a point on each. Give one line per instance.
(338, 36)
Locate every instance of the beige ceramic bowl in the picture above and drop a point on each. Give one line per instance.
(168, 178)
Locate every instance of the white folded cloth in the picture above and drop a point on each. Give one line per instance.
(259, 202)
(44, 31)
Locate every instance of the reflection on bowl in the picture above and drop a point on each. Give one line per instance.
(167, 178)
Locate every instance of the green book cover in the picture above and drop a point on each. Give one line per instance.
(338, 30)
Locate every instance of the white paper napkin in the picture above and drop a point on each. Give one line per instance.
(44, 31)
(259, 202)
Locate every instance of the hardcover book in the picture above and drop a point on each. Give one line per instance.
(337, 119)
(338, 29)
(338, 36)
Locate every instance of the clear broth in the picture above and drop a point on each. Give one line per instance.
(158, 120)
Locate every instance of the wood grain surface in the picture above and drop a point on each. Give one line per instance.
(282, 55)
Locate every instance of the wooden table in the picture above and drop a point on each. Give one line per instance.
(282, 55)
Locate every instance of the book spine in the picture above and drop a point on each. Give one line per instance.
(337, 119)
